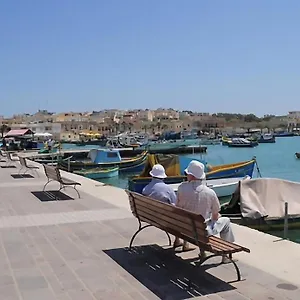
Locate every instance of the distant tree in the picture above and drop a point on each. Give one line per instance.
(251, 118)
(4, 128)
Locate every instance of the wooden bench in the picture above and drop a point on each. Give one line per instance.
(183, 224)
(27, 167)
(53, 174)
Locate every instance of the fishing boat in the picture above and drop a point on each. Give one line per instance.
(106, 158)
(284, 134)
(175, 165)
(297, 154)
(260, 204)
(241, 143)
(98, 173)
(223, 187)
(225, 140)
(266, 138)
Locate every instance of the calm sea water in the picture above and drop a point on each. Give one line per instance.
(274, 160)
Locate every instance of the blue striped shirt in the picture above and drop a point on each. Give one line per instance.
(160, 191)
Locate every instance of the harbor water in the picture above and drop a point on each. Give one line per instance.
(274, 160)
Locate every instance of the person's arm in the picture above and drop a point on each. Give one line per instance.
(173, 197)
(215, 207)
(179, 196)
(145, 190)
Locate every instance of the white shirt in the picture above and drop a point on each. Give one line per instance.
(195, 196)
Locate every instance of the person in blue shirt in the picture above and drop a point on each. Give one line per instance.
(157, 189)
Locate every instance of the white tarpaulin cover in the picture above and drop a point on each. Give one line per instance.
(266, 197)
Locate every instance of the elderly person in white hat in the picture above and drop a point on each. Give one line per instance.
(195, 196)
(157, 189)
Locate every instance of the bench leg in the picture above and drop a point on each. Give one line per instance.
(20, 170)
(76, 191)
(238, 273)
(46, 184)
(136, 233)
(140, 229)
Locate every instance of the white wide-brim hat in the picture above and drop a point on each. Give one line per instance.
(158, 171)
(196, 168)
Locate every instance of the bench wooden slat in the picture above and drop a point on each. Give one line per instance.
(171, 218)
(228, 244)
(181, 214)
(185, 228)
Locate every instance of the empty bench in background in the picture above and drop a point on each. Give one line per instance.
(26, 167)
(182, 223)
(53, 174)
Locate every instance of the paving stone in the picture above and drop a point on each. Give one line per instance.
(9, 292)
(80, 294)
(38, 294)
(6, 280)
(31, 282)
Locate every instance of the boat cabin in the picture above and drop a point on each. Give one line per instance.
(98, 156)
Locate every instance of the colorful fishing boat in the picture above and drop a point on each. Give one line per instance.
(223, 187)
(260, 204)
(225, 140)
(266, 138)
(106, 158)
(175, 165)
(98, 173)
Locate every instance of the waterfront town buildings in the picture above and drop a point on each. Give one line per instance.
(75, 125)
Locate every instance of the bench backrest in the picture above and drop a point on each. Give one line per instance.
(8, 155)
(177, 221)
(23, 161)
(52, 173)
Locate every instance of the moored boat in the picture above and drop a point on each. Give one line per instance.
(297, 154)
(98, 173)
(241, 143)
(284, 134)
(223, 187)
(260, 204)
(267, 138)
(175, 165)
(107, 158)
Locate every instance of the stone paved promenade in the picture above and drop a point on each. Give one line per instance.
(77, 250)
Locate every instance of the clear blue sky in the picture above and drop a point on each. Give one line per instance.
(212, 56)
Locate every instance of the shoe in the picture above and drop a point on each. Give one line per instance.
(187, 247)
(202, 255)
(177, 243)
(226, 260)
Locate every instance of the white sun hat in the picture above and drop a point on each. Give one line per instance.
(158, 171)
(196, 168)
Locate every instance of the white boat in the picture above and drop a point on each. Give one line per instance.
(223, 187)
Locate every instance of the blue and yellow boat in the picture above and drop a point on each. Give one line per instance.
(174, 167)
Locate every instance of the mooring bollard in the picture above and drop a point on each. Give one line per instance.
(286, 221)
(69, 164)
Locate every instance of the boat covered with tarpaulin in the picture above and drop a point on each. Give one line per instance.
(260, 204)
(175, 165)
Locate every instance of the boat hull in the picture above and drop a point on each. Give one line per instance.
(265, 224)
(246, 145)
(136, 184)
(223, 187)
(126, 165)
(99, 173)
